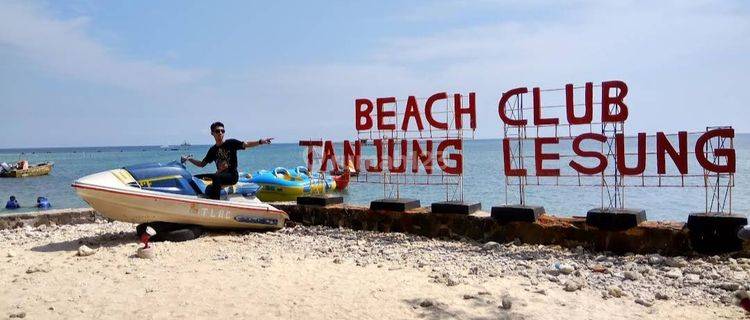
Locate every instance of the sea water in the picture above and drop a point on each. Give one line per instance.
(483, 179)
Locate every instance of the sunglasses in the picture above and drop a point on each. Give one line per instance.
(219, 131)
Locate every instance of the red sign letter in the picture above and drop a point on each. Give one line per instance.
(620, 156)
(700, 152)
(538, 120)
(663, 146)
(378, 167)
(588, 112)
(458, 167)
(618, 100)
(329, 154)
(419, 156)
(540, 156)
(501, 108)
(471, 110)
(412, 111)
(506, 159)
(310, 151)
(363, 114)
(392, 157)
(382, 113)
(349, 153)
(590, 154)
(428, 110)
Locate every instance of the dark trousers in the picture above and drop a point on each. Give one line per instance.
(218, 180)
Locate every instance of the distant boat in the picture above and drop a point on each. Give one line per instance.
(40, 169)
(184, 146)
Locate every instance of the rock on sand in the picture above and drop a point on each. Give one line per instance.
(84, 251)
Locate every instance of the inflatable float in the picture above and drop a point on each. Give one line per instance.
(283, 184)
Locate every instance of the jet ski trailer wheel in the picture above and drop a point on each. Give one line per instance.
(167, 231)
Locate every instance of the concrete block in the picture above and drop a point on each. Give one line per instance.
(613, 219)
(398, 205)
(455, 207)
(320, 200)
(516, 213)
(715, 233)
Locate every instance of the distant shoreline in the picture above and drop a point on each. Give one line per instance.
(22, 149)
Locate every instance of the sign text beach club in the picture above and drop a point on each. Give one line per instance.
(399, 153)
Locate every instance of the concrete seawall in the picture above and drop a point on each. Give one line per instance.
(48, 217)
(666, 238)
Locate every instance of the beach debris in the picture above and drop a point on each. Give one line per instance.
(540, 291)
(338, 260)
(598, 268)
(729, 286)
(85, 251)
(655, 259)
(10, 254)
(426, 303)
(145, 253)
(446, 278)
(552, 271)
(506, 303)
(474, 270)
(469, 296)
(571, 285)
(17, 315)
(676, 262)
(38, 268)
(644, 302)
(674, 273)
(491, 246)
(631, 275)
(692, 278)
(564, 268)
(615, 291)
(661, 296)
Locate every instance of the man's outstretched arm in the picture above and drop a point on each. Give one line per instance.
(197, 163)
(255, 143)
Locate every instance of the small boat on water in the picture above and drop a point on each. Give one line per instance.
(168, 193)
(184, 146)
(22, 169)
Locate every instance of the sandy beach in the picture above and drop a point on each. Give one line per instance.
(326, 273)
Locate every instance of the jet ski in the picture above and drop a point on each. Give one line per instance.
(169, 194)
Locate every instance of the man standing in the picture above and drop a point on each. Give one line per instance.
(224, 153)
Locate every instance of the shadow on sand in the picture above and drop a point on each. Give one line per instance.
(110, 239)
(113, 239)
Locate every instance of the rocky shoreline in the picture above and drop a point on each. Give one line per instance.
(700, 281)
(507, 280)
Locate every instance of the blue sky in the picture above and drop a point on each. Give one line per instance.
(92, 73)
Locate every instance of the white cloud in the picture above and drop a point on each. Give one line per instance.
(31, 33)
(675, 56)
(684, 61)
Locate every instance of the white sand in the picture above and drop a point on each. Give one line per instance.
(303, 273)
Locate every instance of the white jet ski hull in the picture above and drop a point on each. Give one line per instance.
(110, 194)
